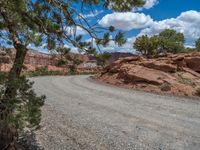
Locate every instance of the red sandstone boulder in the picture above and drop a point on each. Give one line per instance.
(193, 63)
(136, 73)
(176, 73)
(160, 66)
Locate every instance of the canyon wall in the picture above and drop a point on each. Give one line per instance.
(35, 59)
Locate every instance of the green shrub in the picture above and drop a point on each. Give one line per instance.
(24, 109)
(165, 87)
(42, 71)
(198, 91)
(167, 41)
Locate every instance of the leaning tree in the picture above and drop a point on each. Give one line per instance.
(50, 22)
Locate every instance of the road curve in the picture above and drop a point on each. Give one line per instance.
(82, 114)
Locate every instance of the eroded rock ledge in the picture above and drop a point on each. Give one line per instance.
(175, 74)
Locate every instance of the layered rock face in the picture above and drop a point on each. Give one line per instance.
(35, 59)
(32, 60)
(175, 74)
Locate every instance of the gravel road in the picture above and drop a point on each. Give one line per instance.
(83, 114)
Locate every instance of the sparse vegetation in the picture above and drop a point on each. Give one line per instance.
(185, 81)
(102, 58)
(42, 71)
(165, 87)
(198, 91)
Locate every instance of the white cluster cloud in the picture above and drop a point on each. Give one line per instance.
(127, 47)
(126, 21)
(78, 30)
(150, 3)
(187, 23)
(91, 14)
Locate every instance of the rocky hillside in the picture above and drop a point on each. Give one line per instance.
(174, 74)
(35, 59)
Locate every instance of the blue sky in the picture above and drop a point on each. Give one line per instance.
(154, 17)
(172, 8)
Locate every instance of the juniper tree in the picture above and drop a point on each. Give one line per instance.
(25, 22)
(167, 41)
(172, 40)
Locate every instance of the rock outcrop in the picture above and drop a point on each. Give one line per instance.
(35, 59)
(175, 74)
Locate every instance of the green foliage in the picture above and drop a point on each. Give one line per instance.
(172, 41)
(167, 41)
(77, 61)
(102, 58)
(91, 51)
(189, 50)
(197, 44)
(73, 66)
(38, 22)
(147, 46)
(44, 22)
(69, 61)
(120, 5)
(62, 62)
(25, 107)
(106, 39)
(198, 91)
(72, 70)
(172, 35)
(166, 87)
(63, 50)
(119, 39)
(42, 71)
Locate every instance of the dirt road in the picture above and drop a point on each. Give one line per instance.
(82, 114)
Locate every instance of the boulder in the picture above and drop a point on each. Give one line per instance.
(193, 63)
(141, 74)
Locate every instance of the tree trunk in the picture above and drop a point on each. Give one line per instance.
(8, 132)
(15, 71)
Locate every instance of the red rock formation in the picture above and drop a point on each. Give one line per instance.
(35, 59)
(175, 74)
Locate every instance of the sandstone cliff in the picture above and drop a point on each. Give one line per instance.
(35, 59)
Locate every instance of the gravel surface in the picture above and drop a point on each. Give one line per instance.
(82, 114)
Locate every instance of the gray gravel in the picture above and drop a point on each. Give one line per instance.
(82, 114)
